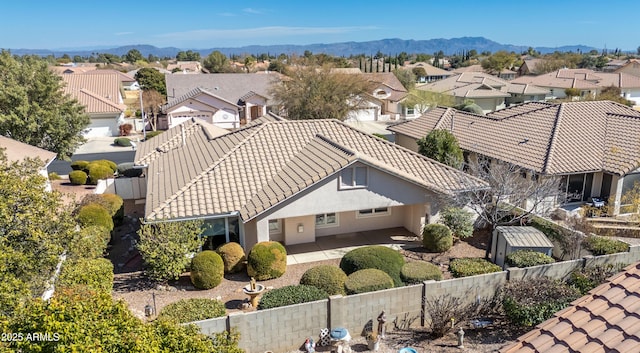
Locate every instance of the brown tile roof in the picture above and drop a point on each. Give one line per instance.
(430, 69)
(123, 77)
(98, 93)
(251, 169)
(581, 79)
(605, 320)
(547, 138)
(16, 151)
(194, 93)
(480, 85)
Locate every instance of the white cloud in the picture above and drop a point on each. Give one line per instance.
(260, 32)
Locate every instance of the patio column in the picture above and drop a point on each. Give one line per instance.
(617, 194)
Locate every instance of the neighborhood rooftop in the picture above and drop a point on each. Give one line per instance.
(253, 169)
(544, 137)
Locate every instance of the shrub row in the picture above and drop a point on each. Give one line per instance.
(419, 271)
(89, 242)
(465, 267)
(195, 309)
(96, 274)
(528, 258)
(604, 246)
(94, 171)
(289, 295)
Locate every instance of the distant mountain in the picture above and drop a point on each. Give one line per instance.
(387, 46)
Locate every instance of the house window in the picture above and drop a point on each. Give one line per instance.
(577, 187)
(355, 177)
(275, 226)
(326, 220)
(373, 212)
(410, 111)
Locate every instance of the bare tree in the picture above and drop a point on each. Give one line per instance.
(513, 194)
(152, 102)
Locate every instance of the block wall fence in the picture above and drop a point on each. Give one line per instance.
(285, 328)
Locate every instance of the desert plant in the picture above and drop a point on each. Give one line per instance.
(96, 274)
(207, 270)
(326, 277)
(604, 246)
(375, 256)
(367, 280)
(459, 221)
(419, 271)
(527, 307)
(468, 266)
(194, 309)
(437, 237)
(233, 256)
(79, 165)
(528, 258)
(77, 177)
(290, 295)
(267, 260)
(122, 142)
(95, 215)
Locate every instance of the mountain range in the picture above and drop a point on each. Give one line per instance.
(387, 46)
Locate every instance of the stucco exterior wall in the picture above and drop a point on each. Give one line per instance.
(407, 142)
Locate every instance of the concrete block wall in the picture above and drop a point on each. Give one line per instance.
(558, 270)
(279, 328)
(483, 286)
(211, 326)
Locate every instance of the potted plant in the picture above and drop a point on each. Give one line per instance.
(373, 341)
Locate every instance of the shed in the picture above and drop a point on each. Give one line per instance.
(507, 239)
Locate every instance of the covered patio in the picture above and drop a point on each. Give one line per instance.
(335, 246)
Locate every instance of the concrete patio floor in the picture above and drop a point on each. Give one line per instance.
(335, 246)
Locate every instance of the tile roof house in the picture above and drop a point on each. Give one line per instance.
(384, 101)
(593, 145)
(529, 67)
(432, 73)
(226, 100)
(291, 181)
(632, 67)
(101, 95)
(17, 151)
(607, 319)
(489, 92)
(589, 82)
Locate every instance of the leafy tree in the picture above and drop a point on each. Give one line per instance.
(614, 94)
(249, 63)
(35, 228)
(442, 146)
(278, 66)
(35, 110)
(406, 77)
(216, 62)
(164, 247)
(151, 79)
(499, 61)
(319, 93)
(419, 71)
(133, 55)
(152, 102)
(422, 100)
(189, 55)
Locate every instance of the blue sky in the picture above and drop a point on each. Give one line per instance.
(202, 24)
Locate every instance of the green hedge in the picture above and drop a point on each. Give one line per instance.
(604, 246)
(375, 256)
(207, 270)
(195, 309)
(326, 277)
(98, 171)
(78, 177)
(465, 267)
(530, 302)
(90, 242)
(437, 237)
(151, 134)
(590, 277)
(290, 295)
(459, 221)
(267, 260)
(96, 274)
(419, 271)
(528, 258)
(79, 165)
(115, 205)
(367, 280)
(233, 256)
(94, 214)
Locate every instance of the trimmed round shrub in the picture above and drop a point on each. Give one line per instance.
(233, 257)
(437, 237)
(79, 165)
(95, 215)
(419, 271)
(111, 164)
(465, 267)
(115, 205)
(290, 295)
(367, 280)
(604, 246)
(267, 260)
(90, 242)
(77, 177)
(194, 309)
(98, 171)
(326, 277)
(375, 256)
(528, 258)
(96, 274)
(207, 269)
(459, 221)
(530, 302)
(127, 169)
(122, 141)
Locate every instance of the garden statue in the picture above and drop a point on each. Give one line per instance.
(252, 283)
(460, 335)
(382, 319)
